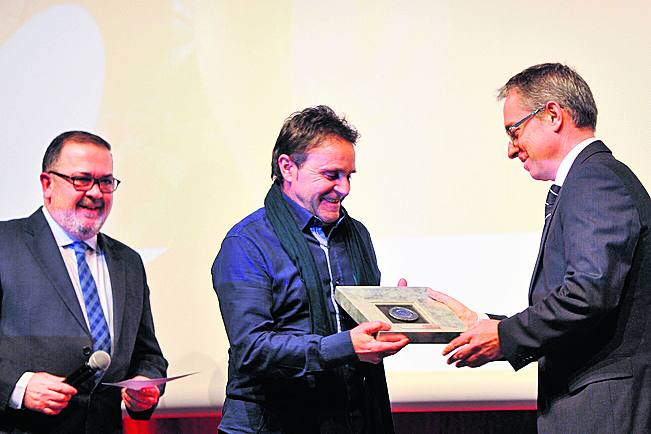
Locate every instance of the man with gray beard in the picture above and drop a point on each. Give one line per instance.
(69, 291)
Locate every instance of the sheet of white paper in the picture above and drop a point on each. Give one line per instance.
(141, 384)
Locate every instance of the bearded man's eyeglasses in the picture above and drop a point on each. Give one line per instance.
(106, 184)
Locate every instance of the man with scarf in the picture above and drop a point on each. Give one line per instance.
(297, 362)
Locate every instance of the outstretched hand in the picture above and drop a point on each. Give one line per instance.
(476, 346)
(368, 348)
(466, 315)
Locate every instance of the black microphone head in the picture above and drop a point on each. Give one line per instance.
(99, 361)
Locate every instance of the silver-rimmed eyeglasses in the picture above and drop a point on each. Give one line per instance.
(511, 130)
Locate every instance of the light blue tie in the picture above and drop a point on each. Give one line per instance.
(99, 330)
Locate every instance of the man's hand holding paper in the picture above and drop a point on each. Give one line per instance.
(140, 399)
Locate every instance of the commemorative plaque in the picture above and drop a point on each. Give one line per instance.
(409, 310)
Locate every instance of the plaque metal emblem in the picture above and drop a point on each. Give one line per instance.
(409, 311)
(403, 314)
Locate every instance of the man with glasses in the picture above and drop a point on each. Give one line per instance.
(69, 291)
(297, 363)
(588, 323)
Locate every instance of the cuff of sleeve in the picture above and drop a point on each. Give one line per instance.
(337, 349)
(482, 315)
(517, 356)
(16, 399)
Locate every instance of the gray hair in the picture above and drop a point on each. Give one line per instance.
(539, 84)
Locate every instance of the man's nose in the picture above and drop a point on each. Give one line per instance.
(343, 187)
(94, 191)
(513, 150)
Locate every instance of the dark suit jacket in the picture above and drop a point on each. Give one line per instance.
(42, 328)
(589, 320)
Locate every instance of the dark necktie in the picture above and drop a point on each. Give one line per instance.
(99, 330)
(552, 195)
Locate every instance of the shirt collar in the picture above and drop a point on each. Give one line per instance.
(566, 164)
(61, 237)
(306, 219)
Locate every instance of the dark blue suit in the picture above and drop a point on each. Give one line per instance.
(589, 320)
(42, 328)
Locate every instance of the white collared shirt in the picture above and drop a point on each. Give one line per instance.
(98, 268)
(568, 160)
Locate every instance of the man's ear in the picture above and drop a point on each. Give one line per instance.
(46, 185)
(287, 167)
(556, 115)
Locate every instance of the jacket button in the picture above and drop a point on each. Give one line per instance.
(87, 351)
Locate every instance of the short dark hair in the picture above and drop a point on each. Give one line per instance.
(54, 150)
(303, 131)
(554, 82)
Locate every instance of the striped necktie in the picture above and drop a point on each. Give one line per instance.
(552, 195)
(99, 330)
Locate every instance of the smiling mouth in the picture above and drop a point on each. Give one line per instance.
(91, 206)
(96, 211)
(335, 200)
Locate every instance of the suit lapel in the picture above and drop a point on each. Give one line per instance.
(593, 148)
(118, 275)
(43, 246)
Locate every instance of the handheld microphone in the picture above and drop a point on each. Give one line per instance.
(98, 361)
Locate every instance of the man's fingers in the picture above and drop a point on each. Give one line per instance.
(64, 388)
(382, 346)
(131, 402)
(450, 302)
(149, 391)
(59, 397)
(47, 393)
(455, 343)
(438, 296)
(441, 297)
(473, 360)
(374, 351)
(402, 342)
(144, 397)
(391, 337)
(469, 355)
(458, 356)
(139, 400)
(56, 405)
(371, 328)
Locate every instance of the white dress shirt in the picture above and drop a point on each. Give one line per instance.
(568, 160)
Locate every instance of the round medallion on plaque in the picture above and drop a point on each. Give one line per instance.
(402, 313)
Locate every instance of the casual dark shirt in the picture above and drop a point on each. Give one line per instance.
(279, 373)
